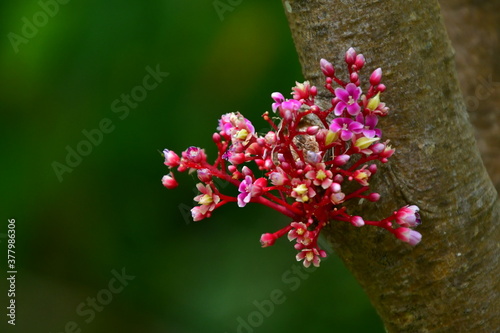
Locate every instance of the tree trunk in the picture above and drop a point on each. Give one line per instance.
(474, 29)
(450, 281)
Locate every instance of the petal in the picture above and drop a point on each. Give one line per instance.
(342, 94)
(316, 261)
(353, 91)
(301, 255)
(355, 127)
(345, 121)
(275, 106)
(241, 201)
(345, 135)
(278, 97)
(371, 121)
(414, 237)
(204, 209)
(335, 126)
(249, 126)
(326, 183)
(369, 133)
(339, 108)
(353, 109)
(360, 118)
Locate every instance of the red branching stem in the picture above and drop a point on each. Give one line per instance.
(283, 203)
(283, 210)
(283, 232)
(363, 159)
(357, 193)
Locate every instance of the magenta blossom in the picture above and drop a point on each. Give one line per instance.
(348, 99)
(194, 155)
(278, 99)
(346, 126)
(236, 126)
(249, 189)
(370, 122)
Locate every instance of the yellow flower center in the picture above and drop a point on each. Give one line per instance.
(242, 134)
(301, 189)
(320, 175)
(206, 199)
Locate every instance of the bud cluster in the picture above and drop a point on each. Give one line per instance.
(310, 163)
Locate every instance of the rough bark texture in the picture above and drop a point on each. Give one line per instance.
(450, 281)
(474, 29)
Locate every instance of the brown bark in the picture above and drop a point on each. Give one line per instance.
(474, 29)
(449, 282)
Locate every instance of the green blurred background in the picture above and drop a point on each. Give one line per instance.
(111, 211)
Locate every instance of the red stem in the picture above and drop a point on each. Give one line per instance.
(283, 210)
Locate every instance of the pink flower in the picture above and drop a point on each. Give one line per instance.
(278, 177)
(278, 99)
(387, 152)
(235, 126)
(207, 199)
(337, 198)
(303, 90)
(302, 190)
(407, 235)
(204, 175)
(408, 216)
(171, 159)
(370, 122)
(248, 189)
(298, 232)
(348, 99)
(320, 176)
(288, 109)
(169, 182)
(346, 126)
(310, 256)
(195, 155)
(362, 176)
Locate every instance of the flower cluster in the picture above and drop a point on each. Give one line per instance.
(310, 163)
